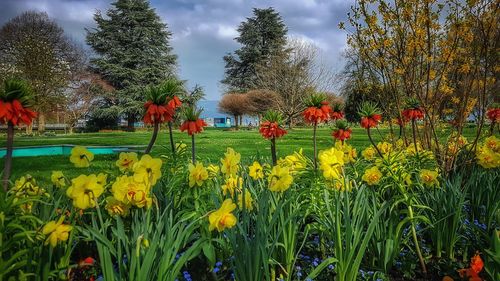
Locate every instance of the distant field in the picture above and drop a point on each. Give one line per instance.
(211, 146)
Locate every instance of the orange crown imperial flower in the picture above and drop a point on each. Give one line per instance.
(270, 128)
(336, 112)
(493, 113)
(342, 131)
(317, 109)
(370, 115)
(157, 113)
(14, 103)
(413, 111)
(192, 124)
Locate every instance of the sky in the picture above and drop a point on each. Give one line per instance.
(204, 30)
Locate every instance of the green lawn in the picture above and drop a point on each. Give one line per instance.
(211, 146)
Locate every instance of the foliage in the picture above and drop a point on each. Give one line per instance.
(148, 58)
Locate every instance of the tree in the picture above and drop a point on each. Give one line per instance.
(236, 105)
(261, 101)
(262, 37)
(133, 51)
(294, 76)
(35, 48)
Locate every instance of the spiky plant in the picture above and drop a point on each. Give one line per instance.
(271, 129)
(172, 88)
(370, 116)
(15, 100)
(193, 125)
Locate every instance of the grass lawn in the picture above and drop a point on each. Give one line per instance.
(211, 145)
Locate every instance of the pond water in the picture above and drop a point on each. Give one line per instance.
(64, 149)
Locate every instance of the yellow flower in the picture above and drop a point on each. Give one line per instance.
(369, 153)
(429, 178)
(223, 217)
(84, 191)
(230, 162)
(487, 158)
(116, 207)
(147, 170)
(197, 174)
(56, 231)
(411, 149)
(27, 186)
(492, 143)
(296, 162)
(349, 152)
(232, 183)
(81, 157)
(256, 171)
(331, 162)
(126, 161)
(102, 179)
(57, 179)
(372, 176)
(280, 179)
(384, 147)
(213, 171)
(129, 191)
(248, 201)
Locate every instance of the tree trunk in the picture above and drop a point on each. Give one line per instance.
(8, 156)
(153, 138)
(130, 122)
(241, 120)
(41, 122)
(236, 121)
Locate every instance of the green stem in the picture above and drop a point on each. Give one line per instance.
(415, 240)
(172, 144)
(314, 146)
(273, 151)
(373, 143)
(8, 156)
(153, 138)
(192, 149)
(414, 135)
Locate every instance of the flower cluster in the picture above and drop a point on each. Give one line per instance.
(56, 231)
(15, 113)
(488, 154)
(157, 113)
(270, 130)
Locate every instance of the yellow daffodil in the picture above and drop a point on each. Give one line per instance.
(372, 176)
(296, 162)
(27, 186)
(57, 178)
(126, 161)
(492, 143)
(248, 201)
(116, 207)
(81, 157)
(350, 153)
(102, 179)
(369, 153)
(147, 170)
(487, 158)
(231, 184)
(129, 191)
(331, 162)
(230, 162)
(197, 174)
(223, 217)
(280, 179)
(84, 191)
(56, 232)
(429, 178)
(213, 171)
(384, 147)
(256, 171)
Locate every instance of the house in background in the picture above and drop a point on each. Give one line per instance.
(214, 118)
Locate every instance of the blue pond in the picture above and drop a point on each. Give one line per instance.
(64, 149)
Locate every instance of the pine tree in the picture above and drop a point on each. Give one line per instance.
(133, 51)
(262, 37)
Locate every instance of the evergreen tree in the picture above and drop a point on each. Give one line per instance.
(262, 37)
(133, 51)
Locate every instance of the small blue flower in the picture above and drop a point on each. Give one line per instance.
(218, 264)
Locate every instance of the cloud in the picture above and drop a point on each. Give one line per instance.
(203, 31)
